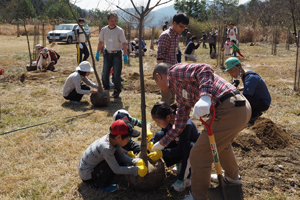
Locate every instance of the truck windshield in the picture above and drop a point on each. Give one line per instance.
(64, 27)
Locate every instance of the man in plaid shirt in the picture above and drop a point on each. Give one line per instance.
(168, 43)
(196, 85)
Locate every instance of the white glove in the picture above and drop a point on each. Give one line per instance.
(157, 147)
(202, 107)
(80, 46)
(237, 42)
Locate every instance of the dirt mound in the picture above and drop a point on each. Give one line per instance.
(133, 83)
(29, 77)
(270, 134)
(264, 134)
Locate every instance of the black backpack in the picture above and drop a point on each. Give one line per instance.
(58, 56)
(234, 29)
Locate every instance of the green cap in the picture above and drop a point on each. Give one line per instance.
(231, 62)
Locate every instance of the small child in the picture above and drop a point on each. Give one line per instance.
(178, 150)
(227, 47)
(132, 147)
(102, 160)
(190, 49)
(235, 49)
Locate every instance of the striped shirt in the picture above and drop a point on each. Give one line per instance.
(189, 82)
(167, 46)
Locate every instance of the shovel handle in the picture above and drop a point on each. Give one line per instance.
(211, 137)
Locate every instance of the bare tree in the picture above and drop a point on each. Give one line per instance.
(140, 16)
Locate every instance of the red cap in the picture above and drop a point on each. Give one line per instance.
(1, 72)
(123, 127)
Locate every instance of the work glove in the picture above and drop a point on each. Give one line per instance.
(140, 162)
(202, 107)
(125, 59)
(150, 145)
(157, 147)
(154, 156)
(149, 135)
(97, 56)
(80, 46)
(131, 154)
(142, 170)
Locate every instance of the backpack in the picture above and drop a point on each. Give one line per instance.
(58, 56)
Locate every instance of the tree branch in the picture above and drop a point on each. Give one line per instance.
(135, 7)
(126, 19)
(127, 12)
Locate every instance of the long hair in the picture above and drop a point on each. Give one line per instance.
(161, 110)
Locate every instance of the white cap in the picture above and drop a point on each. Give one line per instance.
(136, 39)
(121, 114)
(85, 66)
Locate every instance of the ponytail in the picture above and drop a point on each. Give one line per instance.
(161, 110)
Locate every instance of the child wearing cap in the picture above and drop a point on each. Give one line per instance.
(132, 147)
(104, 158)
(73, 90)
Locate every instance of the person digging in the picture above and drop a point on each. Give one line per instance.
(196, 85)
(104, 158)
(54, 56)
(45, 62)
(255, 89)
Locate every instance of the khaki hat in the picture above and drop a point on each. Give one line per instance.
(44, 50)
(38, 46)
(84, 66)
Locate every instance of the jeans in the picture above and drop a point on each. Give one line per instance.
(74, 96)
(112, 60)
(211, 46)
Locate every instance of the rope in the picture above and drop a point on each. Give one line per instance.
(26, 127)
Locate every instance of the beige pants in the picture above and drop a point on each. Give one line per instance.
(169, 98)
(229, 121)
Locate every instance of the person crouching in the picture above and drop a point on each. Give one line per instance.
(73, 90)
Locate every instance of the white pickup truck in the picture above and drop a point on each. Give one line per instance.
(65, 33)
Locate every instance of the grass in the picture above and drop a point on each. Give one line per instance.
(41, 162)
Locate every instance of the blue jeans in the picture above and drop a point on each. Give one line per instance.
(112, 60)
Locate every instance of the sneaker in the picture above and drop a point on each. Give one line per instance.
(115, 94)
(75, 102)
(177, 168)
(111, 188)
(227, 180)
(180, 186)
(111, 84)
(189, 197)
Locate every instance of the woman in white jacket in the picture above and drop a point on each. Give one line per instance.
(73, 90)
(45, 60)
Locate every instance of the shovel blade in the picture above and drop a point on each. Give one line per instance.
(233, 192)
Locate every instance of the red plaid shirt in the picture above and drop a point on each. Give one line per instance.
(167, 46)
(189, 82)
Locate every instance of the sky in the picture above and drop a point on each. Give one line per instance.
(104, 5)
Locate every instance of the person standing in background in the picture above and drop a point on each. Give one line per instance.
(80, 45)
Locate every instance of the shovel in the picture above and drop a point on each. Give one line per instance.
(222, 192)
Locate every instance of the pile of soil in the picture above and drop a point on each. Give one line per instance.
(133, 83)
(264, 134)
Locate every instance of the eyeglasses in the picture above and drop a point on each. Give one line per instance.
(182, 27)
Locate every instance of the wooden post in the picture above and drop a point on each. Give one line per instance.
(152, 38)
(18, 28)
(297, 59)
(128, 39)
(44, 37)
(287, 44)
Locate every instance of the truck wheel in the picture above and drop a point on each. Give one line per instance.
(69, 40)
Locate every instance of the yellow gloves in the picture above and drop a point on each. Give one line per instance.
(150, 145)
(140, 162)
(142, 169)
(149, 135)
(131, 154)
(155, 155)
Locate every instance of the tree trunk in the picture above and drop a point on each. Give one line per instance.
(18, 29)
(27, 42)
(152, 38)
(143, 102)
